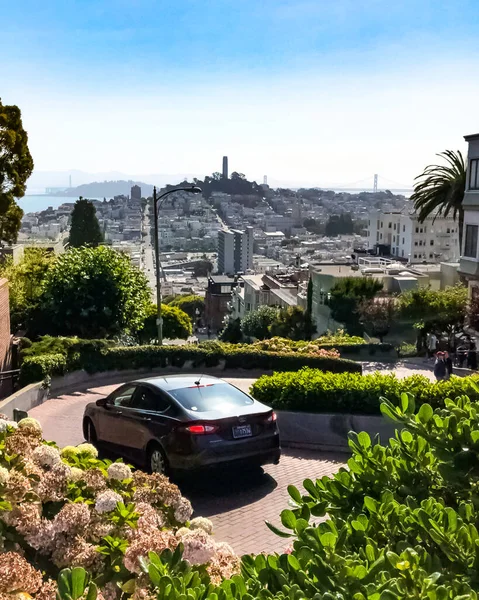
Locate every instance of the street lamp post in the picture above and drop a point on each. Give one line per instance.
(157, 202)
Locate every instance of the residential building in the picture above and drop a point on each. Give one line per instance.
(400, 235)
(135, 192)
(217, 298)
(235, 251)
(469, 263)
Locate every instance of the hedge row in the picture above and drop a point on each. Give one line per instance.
(94, 359)
(311, 390)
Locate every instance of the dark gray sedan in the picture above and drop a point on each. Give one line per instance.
(183, 422)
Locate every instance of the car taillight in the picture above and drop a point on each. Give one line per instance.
(201, 429)
(271, 418)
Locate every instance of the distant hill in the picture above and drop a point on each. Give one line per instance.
(105, 189)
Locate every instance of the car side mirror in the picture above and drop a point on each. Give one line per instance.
(103, 402)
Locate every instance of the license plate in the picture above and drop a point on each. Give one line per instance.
(242, 431)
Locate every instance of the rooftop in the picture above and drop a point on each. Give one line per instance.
(221, 279)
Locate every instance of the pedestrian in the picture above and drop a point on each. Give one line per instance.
(472, 356)
(431, 345)
(449, 366)
(440, 367)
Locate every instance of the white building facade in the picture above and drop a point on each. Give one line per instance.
(435, 240)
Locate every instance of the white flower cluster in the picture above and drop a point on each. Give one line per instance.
(199, 547)
(88, 449)
(31, 423)
(202, 523)
(4, 475)
(183, 510)
(107, 501)
(119, 471)
(47, 456)
(4, 425)
(76, 474)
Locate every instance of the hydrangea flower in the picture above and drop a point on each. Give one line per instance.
(76, 474)
(202, 523)
(30, 423)
(119, 471)
(4, 475)
(68, 451)
(107, 501)
(88, 449)
(47, 456)
(183, 510)
(199, 547)
(4, 425)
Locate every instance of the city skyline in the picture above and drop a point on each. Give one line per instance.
(306, 92)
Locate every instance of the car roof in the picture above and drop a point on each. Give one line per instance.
(175, 382)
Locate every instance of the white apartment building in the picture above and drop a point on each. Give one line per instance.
(435, 240)
(469, 264)
(235, 251)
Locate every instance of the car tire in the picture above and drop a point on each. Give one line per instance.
(89, 432)
(156, 460)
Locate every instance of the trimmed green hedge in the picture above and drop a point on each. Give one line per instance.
(311, 390)
(94, 358)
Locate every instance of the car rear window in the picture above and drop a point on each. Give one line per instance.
(216, 396)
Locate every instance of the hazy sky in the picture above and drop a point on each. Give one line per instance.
(311, 91)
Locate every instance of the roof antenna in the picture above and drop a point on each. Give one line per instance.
(199, 380)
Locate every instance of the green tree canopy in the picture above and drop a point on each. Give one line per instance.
(232, 332)
(25, 281)
(438, 310)
(345, 298)
(292, 323)
(176, 324)
(440, 189)
(94, 292)
(84, 228)
(377, 316)
(257, 322)
(190, 304)
(16, 166)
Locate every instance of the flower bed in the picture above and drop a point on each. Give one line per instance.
(314, 391)
(67, 508)
(94, 358)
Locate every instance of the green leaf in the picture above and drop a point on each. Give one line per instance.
(92, 592)
(328, 540)
(294, 493)
(364, 440)
(79, 580)
(404, 402)
(425, 413)
(293, 562)
(370, 504)
(277, 531)
(288, 519)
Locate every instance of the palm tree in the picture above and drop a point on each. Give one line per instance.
(440, 189)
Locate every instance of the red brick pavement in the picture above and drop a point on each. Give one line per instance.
(237, 502)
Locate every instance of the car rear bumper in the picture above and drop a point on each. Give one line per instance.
(268, 453)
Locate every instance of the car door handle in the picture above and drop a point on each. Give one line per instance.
(146, 418)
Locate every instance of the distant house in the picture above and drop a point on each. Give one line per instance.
(218, 296)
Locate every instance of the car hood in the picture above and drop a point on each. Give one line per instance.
(229, 412)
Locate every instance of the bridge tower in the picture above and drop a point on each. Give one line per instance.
(375, 189)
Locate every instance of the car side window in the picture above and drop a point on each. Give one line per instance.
(147, 399)
(124, 396)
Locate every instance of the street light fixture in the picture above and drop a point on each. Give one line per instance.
(157, 203)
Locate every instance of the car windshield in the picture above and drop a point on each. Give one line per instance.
(214, 396)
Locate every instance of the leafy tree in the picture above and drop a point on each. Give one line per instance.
(190, 304)
(438, 311)
(232, 332)
(176, 324)
(25, 280)
(256, 323)
(345, 298)
(94, 292)
(339, 224)
(84, 228)
(292, 323)
(440, 189)
(377, 316)
(16, 166)
(203, 268)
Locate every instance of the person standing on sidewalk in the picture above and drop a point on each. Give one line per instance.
(431, 345)
(440, 367)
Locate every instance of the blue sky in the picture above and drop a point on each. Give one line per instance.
(320, 92)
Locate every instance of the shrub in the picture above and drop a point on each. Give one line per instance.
(176, 324)
(311, 390)
(95, 357)
(70, 509)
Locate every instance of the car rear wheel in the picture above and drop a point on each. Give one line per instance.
(157, 462)
(90, 432)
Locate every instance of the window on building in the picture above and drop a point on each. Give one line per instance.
(393, 251)
(417, 229)
(225, 289)
(403, 228)
(394, 238)
(474, 174)
(470, 244)
(403, 240)
(390, 225)
(431, 255)
(420, 231)
(448, 230)
(431, 243)
(415, 256)
(377, 236)
(402, 253)
(381, 236)
(415, 243)
(394, 227)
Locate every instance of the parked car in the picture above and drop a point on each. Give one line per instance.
(183, 422)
